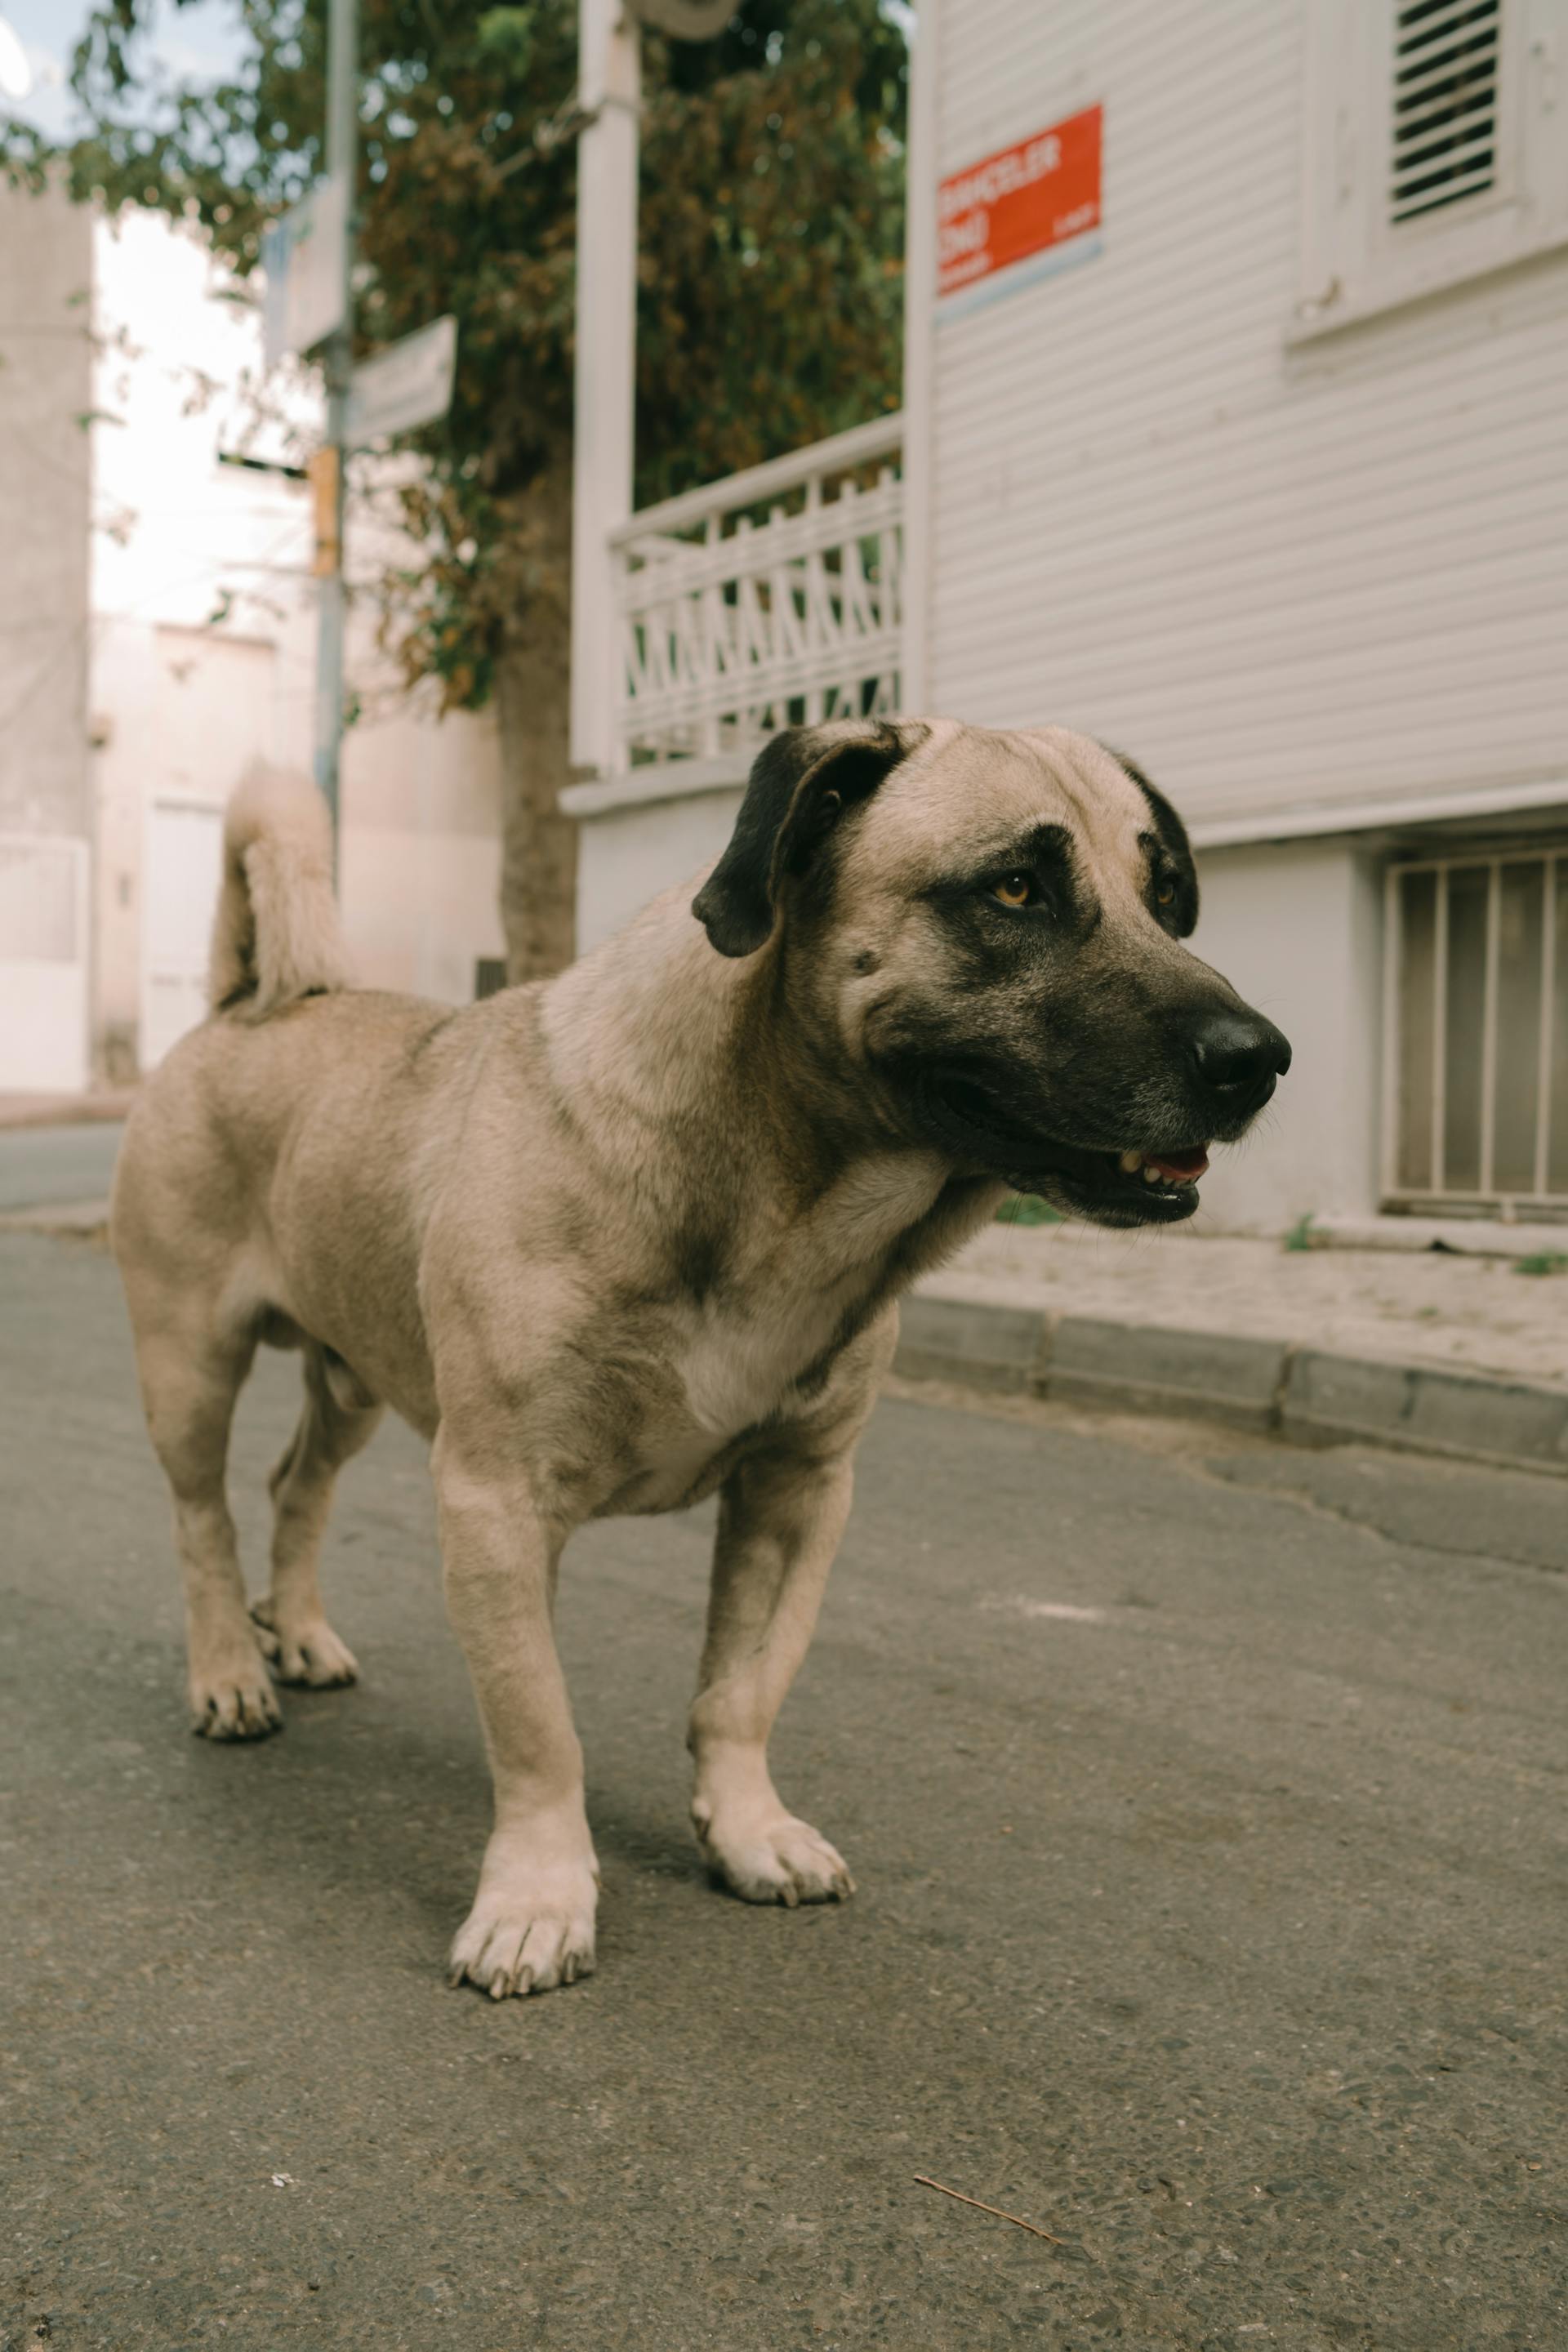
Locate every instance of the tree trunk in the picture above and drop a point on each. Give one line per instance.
(539, 846)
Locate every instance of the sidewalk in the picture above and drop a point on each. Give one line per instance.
(1421, 1349)
(1416, 1307)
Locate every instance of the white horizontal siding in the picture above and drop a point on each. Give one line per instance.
(1285, 581)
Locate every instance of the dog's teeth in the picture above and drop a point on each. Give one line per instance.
(1130, 1162)
(1151, 1175)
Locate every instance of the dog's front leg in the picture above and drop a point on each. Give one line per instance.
(780, 1520)
(531, 1926)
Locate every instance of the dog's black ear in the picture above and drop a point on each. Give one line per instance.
(800, 785)
(1172, 838)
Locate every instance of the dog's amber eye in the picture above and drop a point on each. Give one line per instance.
(1013, 890)
(1165, 894)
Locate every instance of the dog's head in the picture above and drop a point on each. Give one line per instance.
(983, 932)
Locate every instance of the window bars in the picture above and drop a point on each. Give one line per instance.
(1476, 1012)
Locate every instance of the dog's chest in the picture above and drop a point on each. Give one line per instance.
(734, 1370)
(737, 1366)
(761, 1346)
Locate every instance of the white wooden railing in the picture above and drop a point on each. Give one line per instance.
(762, 601)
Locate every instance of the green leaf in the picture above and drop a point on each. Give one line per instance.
(509, 35)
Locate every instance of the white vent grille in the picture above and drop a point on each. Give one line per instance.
(1444, 128)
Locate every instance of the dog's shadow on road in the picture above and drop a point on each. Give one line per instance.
(356, 1806)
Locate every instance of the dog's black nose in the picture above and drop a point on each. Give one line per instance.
(1239, 1056)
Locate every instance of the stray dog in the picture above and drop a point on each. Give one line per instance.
(618, 1241)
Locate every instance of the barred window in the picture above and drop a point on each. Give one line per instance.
(1477, 1110)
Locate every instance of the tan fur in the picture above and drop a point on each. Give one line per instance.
(611, 1245)
(275, 935)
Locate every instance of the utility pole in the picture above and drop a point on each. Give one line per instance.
(342, 154)
(609, 102)
(609, 73)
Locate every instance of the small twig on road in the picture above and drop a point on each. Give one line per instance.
(1019, 2223)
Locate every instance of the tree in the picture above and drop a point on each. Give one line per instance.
(770, 291)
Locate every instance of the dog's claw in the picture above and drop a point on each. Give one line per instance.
(310, 1654)
(235, 1703)
(775, 1860)
(528, 1935)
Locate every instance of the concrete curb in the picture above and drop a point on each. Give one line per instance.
(1306, 1394)
(66, 1110)
(80, 1217)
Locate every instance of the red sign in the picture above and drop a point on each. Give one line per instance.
(1042, 192)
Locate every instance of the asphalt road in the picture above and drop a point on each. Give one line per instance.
(39, 1165)
(1206, 1800)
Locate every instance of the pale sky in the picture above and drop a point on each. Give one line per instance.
(198, 41)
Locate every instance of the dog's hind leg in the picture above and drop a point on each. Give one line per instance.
(191, 1375)
(292, 1622)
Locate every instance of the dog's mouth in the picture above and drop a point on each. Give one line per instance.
(1139, 1185)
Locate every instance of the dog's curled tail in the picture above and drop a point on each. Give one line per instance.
(275, 935)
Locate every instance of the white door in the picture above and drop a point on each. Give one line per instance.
(213, 718)
(184, 865)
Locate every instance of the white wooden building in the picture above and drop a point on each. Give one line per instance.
(1248, 456)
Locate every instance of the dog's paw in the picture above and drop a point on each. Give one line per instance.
(528, 1932)
(772, 1858)
(311, 1653)
(235, 1701)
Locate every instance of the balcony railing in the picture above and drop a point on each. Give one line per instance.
(762, 601)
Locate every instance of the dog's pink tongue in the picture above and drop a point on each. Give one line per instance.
(1183, 1167)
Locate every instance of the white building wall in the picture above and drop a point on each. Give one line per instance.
(202, 638)
(633, 850)
(1289, 580)
(45, 375)
(419, 871)
(46, 365)
(1296, 927)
